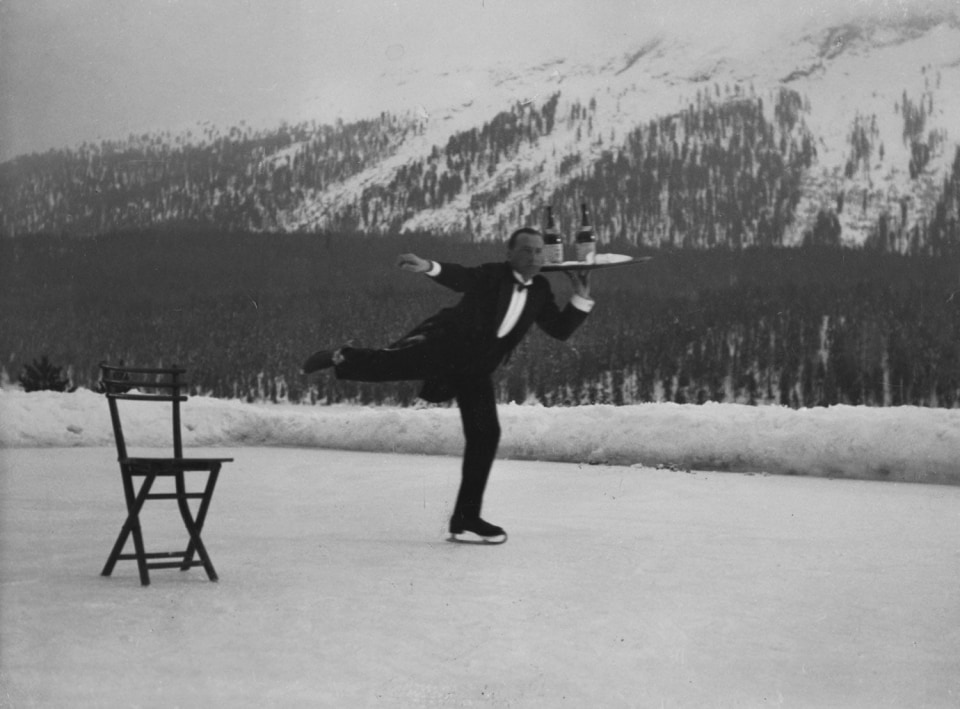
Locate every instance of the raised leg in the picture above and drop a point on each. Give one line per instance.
(405, 360)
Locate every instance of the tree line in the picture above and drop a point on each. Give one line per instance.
(810, 326)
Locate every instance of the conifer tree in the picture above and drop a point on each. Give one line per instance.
(42, 375)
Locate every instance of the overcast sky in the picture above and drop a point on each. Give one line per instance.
(74, 70)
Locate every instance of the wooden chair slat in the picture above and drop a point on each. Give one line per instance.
(147, 397)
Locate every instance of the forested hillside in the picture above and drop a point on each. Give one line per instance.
(801, 327)
(717, 173)
(938, 236)
(729, 170)
(238, 179)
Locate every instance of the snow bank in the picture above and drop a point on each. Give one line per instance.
(903, 443)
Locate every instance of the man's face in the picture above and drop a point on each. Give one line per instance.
(526, 256)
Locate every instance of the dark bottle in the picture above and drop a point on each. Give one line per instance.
(552, 241)
(586, 239)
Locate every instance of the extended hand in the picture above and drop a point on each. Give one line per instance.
(413, 263)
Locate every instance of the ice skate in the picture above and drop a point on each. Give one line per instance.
(475, 531)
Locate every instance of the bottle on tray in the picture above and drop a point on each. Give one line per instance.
(552, 241)
(586, 240)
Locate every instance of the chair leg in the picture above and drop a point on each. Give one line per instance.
(132, 526)
(195, 525)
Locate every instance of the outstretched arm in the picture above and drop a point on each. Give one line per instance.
(453, 276)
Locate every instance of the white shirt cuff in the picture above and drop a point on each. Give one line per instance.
(581, 303)
(434, 269)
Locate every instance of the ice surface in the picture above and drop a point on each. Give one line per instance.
(622, 585)
(619, 587)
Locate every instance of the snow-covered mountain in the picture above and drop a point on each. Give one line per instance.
(681, 138)
(858, 74)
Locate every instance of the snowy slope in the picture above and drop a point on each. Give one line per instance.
(869, 78)
(896, 443)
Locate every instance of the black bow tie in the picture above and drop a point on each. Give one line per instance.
(522, 286)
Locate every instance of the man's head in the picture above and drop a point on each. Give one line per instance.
(525, 251)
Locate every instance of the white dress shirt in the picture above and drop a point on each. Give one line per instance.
(518, 300)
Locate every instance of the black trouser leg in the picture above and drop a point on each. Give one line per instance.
(481, 428)
(388, 364)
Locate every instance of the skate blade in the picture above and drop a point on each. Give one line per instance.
(471, 538)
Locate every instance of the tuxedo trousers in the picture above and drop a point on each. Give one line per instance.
(475, 397)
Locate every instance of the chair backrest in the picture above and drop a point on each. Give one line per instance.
(143, 384)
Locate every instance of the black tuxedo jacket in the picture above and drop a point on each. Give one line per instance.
(464, 337)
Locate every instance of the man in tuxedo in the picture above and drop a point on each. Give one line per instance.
(456, 351)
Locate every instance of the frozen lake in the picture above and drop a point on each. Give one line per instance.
(619, 587)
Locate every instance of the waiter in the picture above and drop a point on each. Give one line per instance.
(456, 351)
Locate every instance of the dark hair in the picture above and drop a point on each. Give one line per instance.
(512, 241)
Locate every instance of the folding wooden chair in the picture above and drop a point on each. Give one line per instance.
(157, 386)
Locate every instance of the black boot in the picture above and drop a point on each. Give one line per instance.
(323, 359)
